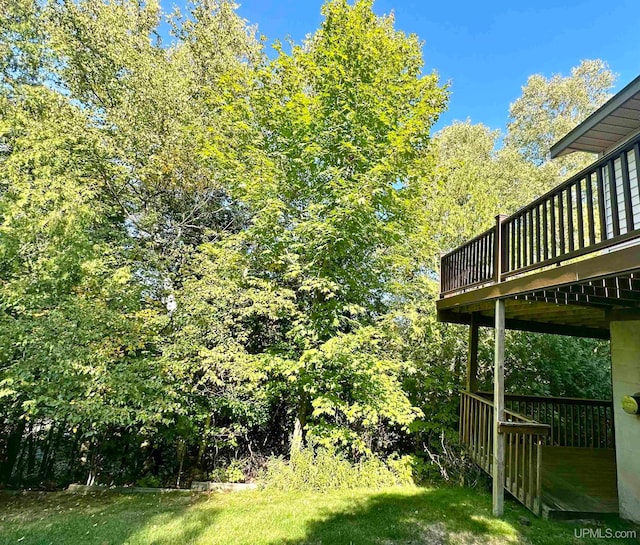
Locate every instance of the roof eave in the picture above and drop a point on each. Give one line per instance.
(564, 145)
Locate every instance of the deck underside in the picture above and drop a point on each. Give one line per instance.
(577, 299)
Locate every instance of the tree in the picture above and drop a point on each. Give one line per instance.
(104, 196)
(550, 107)
(343, 128)
(475, 181)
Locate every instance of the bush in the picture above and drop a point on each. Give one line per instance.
(149, 481)
(233, 472)
(324, 469)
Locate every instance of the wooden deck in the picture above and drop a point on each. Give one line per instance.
(578, 482)
(563, 264)
(544, 468)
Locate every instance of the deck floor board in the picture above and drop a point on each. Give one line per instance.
(579, 480)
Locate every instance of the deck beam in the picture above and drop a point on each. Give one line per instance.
(528, 325)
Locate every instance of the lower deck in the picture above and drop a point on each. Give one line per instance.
(559, 455)
(578, 482)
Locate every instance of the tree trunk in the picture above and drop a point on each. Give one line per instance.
(182, 447)
(72, 461)
(203, 444)
(31, 452)
(48, 445)
(14, 442)
(48, 468)
(298, 436)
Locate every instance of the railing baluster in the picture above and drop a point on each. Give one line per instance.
(570, 220)
(523, 477)
(590, 216)
(483, 261)
(490, 259)
(545, 231)
(626, 191)
(472, 437)
(561, 223)
(512, 245)
(531, 238)
(586, 442)
(474, 263)
(613, 194)
(525, 254)
(580, 217)
(602, 212)
(554, 234)
(538, 229)
(509, 463)
(482, 435)
(530, 503)
(538, 508)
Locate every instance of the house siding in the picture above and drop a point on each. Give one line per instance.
(625, 371)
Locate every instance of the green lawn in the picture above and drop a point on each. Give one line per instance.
(383, 517)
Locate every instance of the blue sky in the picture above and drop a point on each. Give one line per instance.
(486, 50)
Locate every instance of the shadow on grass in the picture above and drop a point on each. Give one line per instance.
(432, 516)
(399, 516)
(102, 519)
(439, 516)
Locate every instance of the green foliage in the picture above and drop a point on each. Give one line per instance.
(549, 108)
(210, 255)
(101, 203)
(552, 365)
(323, 469)
(475, 181)
(149, 481)
(231, 473)
(344, 131)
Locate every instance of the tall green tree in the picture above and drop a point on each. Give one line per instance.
(104, 196)
(343, 132)
(475, 180)
(551, 107)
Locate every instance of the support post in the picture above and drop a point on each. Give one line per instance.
(498, 412)
(472, 362)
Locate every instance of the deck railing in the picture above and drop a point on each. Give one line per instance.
(593, 210)
(573, 422)
(523, 454)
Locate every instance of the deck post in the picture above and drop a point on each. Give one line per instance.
(472, 362)
(498, 402)
(499, 249)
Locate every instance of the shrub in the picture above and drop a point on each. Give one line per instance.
(324, 469)
(233, 472)
(149, 481)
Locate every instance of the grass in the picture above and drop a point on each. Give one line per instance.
(407, 516)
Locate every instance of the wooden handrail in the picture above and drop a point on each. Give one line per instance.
(582, 215)
(527, 428)
(524, 439)
(573, 422)
(479, 396)
(566, 400)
